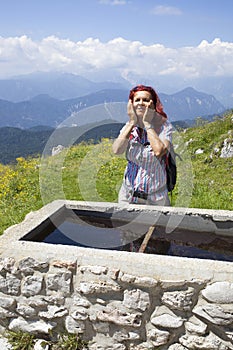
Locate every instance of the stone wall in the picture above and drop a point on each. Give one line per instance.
(115, 309)
(116, 299)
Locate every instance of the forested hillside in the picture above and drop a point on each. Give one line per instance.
(15, 142)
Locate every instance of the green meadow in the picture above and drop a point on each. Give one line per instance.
(90, 172)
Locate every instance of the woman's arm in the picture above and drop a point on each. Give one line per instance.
(120, 144)
(158, 146)
(153, 121)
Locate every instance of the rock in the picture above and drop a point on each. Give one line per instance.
(8, 264)
(199, 151)
(98, 287)
(4, 345)
(167, 321)
(124, 277)
(227, 149)
(57, 149)
(158, 337)
(73, 326)
(35, 327)
(120, 317)
(145, 282)
(41, 345)
(142, 346)
(188, 142)
(216, 150)
(136, 299)
(25, 310)
(10, 284)
(28, 265)
(70, 265)
(6, 313)
(54, 299)
(32, 285)
(78, 301)
(101, 327)
(96, 270)
(165, 318)
(180, 300)
(217, 314)
(54, 312)
(123, 335)
(177, 346)
(105, 342)
(7, 302)
(79, 313)
(195, 326)
(60, 282)
(107, 347)
(219, 293)
(211, 341)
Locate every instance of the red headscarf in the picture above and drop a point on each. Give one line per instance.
(155, 98)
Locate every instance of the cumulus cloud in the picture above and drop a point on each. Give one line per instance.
(162, 10)
(21, 55)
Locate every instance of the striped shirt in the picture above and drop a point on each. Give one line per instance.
(144, 171)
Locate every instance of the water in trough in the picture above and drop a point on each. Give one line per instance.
(99, 230)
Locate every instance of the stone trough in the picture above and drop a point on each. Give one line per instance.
(77, 266)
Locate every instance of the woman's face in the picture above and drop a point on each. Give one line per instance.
(141, 100)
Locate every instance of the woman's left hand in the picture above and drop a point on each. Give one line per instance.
(149, 114)
(152, 118)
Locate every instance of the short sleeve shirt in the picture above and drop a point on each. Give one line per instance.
(144, 171)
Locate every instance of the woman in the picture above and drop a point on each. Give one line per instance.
(146, 138)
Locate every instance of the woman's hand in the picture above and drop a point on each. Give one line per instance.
(133, 119)
(148, 117)
(151, 118)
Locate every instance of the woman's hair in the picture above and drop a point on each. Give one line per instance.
(155, 98)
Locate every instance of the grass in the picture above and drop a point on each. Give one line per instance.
(90, 172)
(212, 175)
(19, 191)
(20, 340)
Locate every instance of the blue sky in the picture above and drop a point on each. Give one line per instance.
(169, 43)
(171, 23)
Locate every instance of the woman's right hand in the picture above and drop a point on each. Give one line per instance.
(131, 113)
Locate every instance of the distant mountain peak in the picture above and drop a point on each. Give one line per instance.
(189, 90)
(43, 97)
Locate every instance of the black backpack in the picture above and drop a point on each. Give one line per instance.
(171, 169)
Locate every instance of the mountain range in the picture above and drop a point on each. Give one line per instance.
(50, 111)
(61, 86)
(40, 111)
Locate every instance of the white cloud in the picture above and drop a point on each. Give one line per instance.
(113, 2)
(162, 10)
(21, 55)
